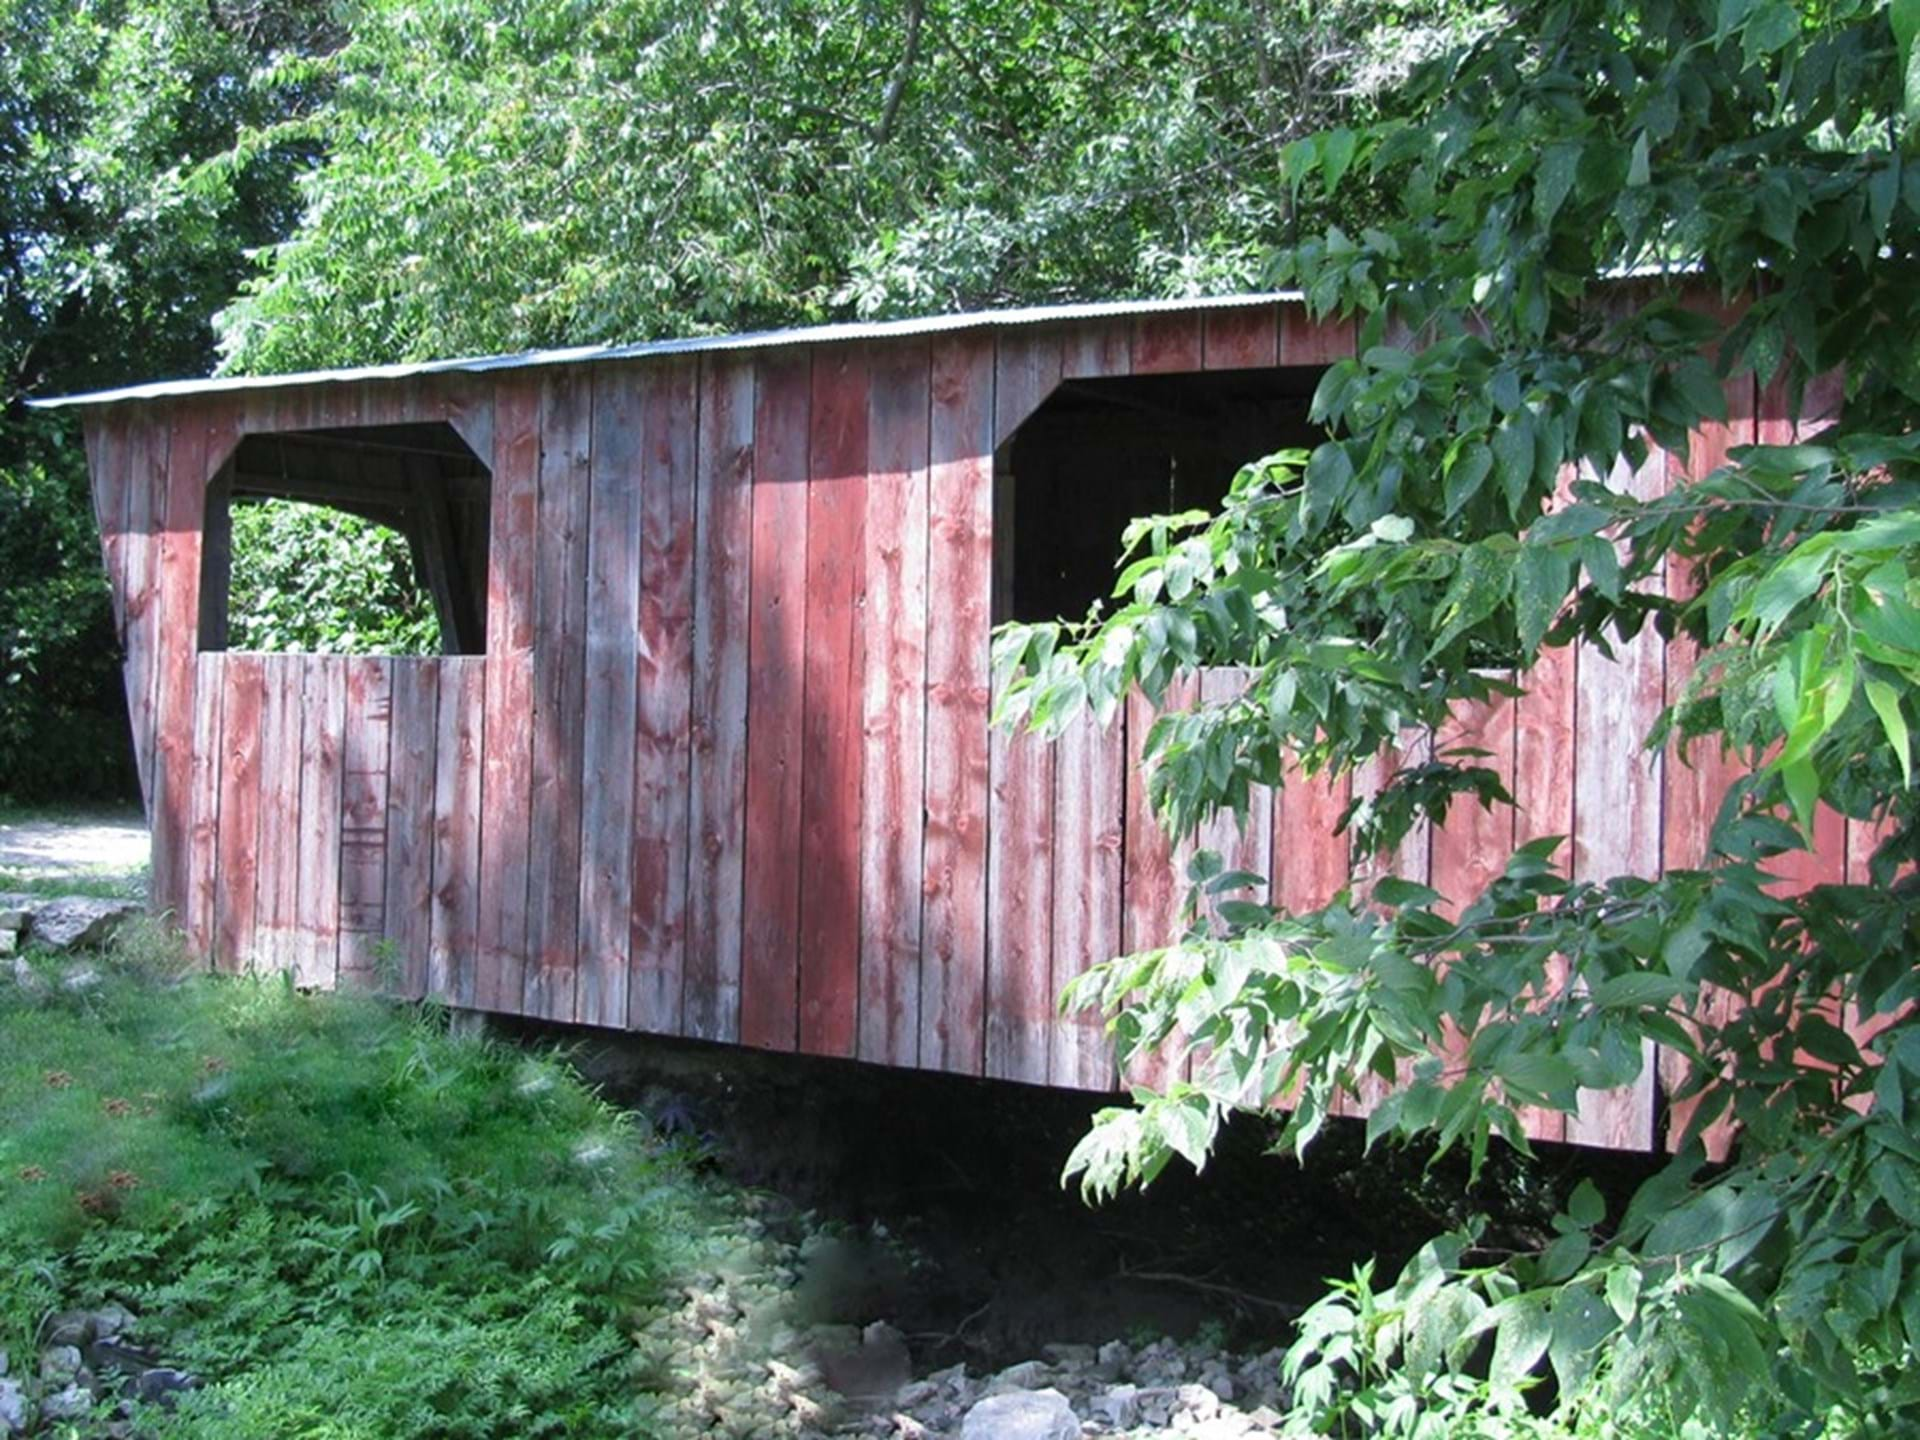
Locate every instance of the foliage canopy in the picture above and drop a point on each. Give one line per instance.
(1605, 213)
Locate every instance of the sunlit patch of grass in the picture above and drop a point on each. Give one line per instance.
(100, 883)
(256, 1169)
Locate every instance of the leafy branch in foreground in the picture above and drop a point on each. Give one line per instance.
(1613, 219)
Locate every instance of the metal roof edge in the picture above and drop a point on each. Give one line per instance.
(839, 332)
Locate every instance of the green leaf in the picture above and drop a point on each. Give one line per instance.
(1542, 575)
(1639, 171)
(1513, 451)
(1585, 1207)
(1886, 704)
(1465, 477)
(1623, 1291)
(1630, 991)
(1559, 164)
(1521, 1336)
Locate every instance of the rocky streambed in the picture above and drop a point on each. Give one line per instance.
(738, 1356)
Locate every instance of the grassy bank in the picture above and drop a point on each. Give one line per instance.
(342, 1220)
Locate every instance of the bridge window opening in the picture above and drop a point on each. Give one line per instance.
(1100, 452)
(363, 541)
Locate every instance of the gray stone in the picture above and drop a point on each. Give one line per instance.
(1197, 1401)
(1156, 1404)
(27, 978)
(80, 979)
(59, 1362)
(69, 1327)
(163, 1386)
(1069, 1354)
(13, 1408)
(1022, 1415)
(73, 1403)
(5, 1359)
(78, 921)
(1118, 1405)
(113, 1319)
(9, 939)
(1027, 1375)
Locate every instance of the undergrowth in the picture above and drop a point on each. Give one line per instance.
(346, 1221)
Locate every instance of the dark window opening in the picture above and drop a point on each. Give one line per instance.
(370, 540)
(1099, 453)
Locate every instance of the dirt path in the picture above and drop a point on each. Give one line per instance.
(102, 849)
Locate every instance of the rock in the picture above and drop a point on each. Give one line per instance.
(1156, 1405)
(908, 1428)
(1069, 1355)
(1022, 1415)
(1027, 1375)
(59, 1362)
(69, 1327)
(73, 1403)
(113, 1319)
(163, 1386)
(4, 1360)
(13, 1408)
(9, 941)
(27, 978)
(78, 921)
(80, 979)
(1197, 1401)
(1118, 1405)
(919, 1392)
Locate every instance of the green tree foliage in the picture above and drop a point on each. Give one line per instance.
(1756, 152)
(545, 172)
(110, 267)
(323, 581)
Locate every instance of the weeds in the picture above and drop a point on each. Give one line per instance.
(343, 1219)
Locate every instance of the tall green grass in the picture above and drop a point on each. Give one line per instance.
(346, 1220)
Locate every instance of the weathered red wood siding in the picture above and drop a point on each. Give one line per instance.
(725, 770)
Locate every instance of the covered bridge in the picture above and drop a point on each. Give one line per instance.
(708, 754)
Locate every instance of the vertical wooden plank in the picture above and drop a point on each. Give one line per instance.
(323, 757)
(276, 888)
(1167, 343)
(1020, 906)
(1242, 844)
(960, 573)
(1543, 744)
(559, 692)
(410, 821)
(613, 661)
(723, 554)
(777, 621)
(1469, 852)
(1311, 863)
(1154, 869)
(1616, 806)
(243, 699)
(453, 937)
(830, 731)
(177, 591)
(1696, 781)
(507, 737)
(1245, 337)
(1020, 814)
(893, 706)
(1306, 341)
(365, 963)
(1089, 891)
(150, 442)
(109, 459)
(203, 836)
(661, 778)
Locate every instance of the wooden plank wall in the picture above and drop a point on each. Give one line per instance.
(725, 769)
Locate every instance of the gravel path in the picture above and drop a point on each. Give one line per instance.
(92, 847)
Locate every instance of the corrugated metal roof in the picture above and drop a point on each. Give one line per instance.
(805, 335)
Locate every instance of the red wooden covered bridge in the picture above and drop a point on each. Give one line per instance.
(708, 754)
